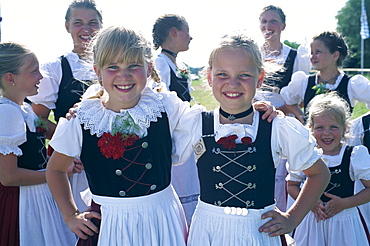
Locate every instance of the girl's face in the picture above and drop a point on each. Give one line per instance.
(321, 58)
(184, 38)
(328, 133)
(123, 82)
(82, 25)
(234, 79)
(29, 76)
(271, 25)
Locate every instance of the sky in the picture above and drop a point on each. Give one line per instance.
(39, 24)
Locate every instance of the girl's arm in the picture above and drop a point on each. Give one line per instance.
(56, 175)
(12, 175)
(296, 111)
(281, 223)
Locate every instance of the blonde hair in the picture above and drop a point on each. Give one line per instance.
(330, 103)
(12, 56)
(243, 42)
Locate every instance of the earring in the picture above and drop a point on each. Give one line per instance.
(13, 84)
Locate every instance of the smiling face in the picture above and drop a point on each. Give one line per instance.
(234, 79)
(328, 133)
(28, 79)
(124, 83)
(321, 58)
(271, 25)
(82, 25)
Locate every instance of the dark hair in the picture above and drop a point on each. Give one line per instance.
(162, 27)
(334, 42)
(277, 9)
(83, 4)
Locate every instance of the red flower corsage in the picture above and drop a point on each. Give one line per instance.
(41, 125)
(114, 146)
(229, 141)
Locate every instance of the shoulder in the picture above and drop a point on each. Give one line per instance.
(358, 79)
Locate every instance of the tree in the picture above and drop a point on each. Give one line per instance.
(349, 25)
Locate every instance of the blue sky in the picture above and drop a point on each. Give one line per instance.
(39, 24)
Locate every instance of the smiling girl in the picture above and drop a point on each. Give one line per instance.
(335, 219)
(23, 158)
(328, 51)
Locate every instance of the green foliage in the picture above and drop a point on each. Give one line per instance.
(349, 25)
(293, 45)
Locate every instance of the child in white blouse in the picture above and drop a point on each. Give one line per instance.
(23, 158)
(237, 155)
(335, 219)
(328, 51)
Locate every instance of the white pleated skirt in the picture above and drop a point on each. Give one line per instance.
(211, 226)
(40, 220)
(153, 220)
(344, 229)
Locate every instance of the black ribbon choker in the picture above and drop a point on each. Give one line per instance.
(233, 117)
(170, 52)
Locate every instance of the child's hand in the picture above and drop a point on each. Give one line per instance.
(318, 211)
(278, 225)
(334, 206)
(81, 225)
(78, 167)
(270, 113)
(72, 112)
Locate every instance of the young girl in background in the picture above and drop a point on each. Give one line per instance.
(335, 219)
(237, 155)
(171, 33)
(23, 158)
(126, 136)
(328, 51)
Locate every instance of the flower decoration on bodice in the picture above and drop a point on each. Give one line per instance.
(320, 88)
(185, 73)
(41, 125)
(113, 145)
(229, 141)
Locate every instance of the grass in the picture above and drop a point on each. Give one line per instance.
(202, 94)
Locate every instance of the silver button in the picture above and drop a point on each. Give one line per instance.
(244, 211)
(118, 172)
(144, 145)
(153, 187)
(238, 211)
(122, 193)
(227, 210)
(148, 166)
(233, 210)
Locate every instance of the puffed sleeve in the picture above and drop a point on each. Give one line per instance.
(67, 138)
(164, 71)
(184, 122)
(291, 140)
(359, 90)
(356, 132)
(360, 163)
(49, 85)
(12, 130)
(302, 61)
(294, 92)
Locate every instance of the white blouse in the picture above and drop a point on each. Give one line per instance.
(68, 139)
(163, 64)
(358, 89)
(357, 131)
(13, 121)
(359, 167)
(52, 72)
(301, 63)
(289, 138)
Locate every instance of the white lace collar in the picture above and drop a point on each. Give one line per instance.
(28, 115)
(241, 130)
(99, 119)
(334, 160)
